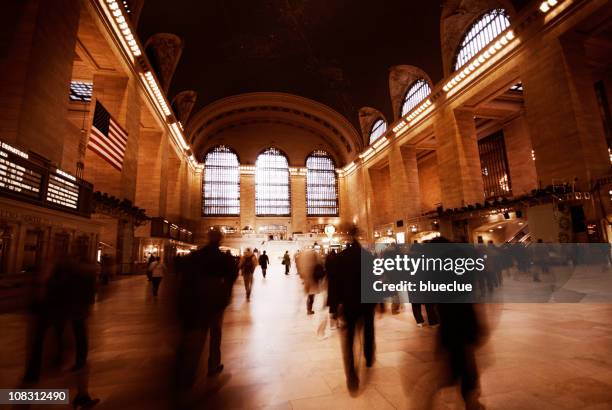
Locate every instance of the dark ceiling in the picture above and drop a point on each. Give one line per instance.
(337, 52)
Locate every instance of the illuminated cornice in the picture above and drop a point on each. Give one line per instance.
(119, 22)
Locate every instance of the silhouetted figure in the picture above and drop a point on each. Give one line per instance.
(158, 271)
(206, 279)
(149, 263)
(331, 270)
(68, 295)
(460, 332)
(263, 262)
(248, 262)
(432, 315)
(106, 266)
(351, 310)
(287, 262)
(540, 259)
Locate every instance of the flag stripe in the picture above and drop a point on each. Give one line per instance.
(101, 140)
(107, 138)
(118, 129)
(117, 142)
(101, 153)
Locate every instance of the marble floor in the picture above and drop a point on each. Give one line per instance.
(538, 356)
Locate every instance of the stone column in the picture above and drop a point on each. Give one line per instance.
(458, 158)
(247, 200)
(37, 44)
(523, 174)
(405, 192)
(149, 177)
(173, 199)
(562, 114)
(298, 203)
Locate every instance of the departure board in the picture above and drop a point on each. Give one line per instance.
(63, 190)
(17, 175)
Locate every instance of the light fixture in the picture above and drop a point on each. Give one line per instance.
(502, 41)
(547, 5)
(124, 28)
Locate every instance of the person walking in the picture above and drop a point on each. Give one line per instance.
(247, 267)
(150, 261)
(287, 262)
(158, 271)
(263, 262)
(432, 316)
(351, 310)
(68, 295)
(206, 279)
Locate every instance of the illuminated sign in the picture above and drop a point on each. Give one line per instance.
(62, 190)
(17, 177)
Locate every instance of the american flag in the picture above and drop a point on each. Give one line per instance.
(107, 138)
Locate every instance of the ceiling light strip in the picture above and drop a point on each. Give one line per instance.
(120, 23)
(122, 26)
(481, 61)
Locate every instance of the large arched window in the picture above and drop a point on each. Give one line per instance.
(483, 31)
(378, 129)
(272, 193)
(417, 92)
(221, 183)
(321, 185)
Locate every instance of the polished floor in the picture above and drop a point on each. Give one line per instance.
(538, 356)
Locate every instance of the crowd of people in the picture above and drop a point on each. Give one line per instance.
(205, 280)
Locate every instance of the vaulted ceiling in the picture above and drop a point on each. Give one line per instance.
(335, 52)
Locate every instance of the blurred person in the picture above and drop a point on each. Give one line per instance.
(331, 271)
(67, 297)
(264, 261)
(248, 262)
(494, 266)
(158, 271)
(351, 310)
(432, 315)
(106, 266)
(461, 331)
(206, 280)
(150, 260)
(540, 259)
(311, 271)
(287, 262)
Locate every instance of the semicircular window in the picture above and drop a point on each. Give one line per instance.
(486, 28)
(417, 92)
(378, 129)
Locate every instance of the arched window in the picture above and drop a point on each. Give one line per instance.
(221, 183)
(378, 129)
(272, 193)
(417, 92)
(483, 31)
(321, 185)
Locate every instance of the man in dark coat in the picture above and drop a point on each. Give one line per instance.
(347, 296)
(206, 280)
(263, 262)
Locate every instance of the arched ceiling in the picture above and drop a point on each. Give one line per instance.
(290, 111)
(334, 52)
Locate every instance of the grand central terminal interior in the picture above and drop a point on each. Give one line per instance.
(188, 191)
